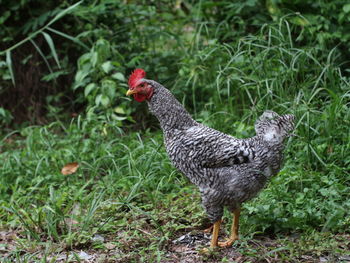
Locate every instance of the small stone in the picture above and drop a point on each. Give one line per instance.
(98, 238)
(110, 246)
(84, 256)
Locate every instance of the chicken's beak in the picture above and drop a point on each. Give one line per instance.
(130, 92)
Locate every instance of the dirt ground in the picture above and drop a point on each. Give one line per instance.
(187, 248)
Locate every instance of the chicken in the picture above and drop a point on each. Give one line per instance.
(228, 171)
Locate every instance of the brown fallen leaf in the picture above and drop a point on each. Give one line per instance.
(110, 246)
(70, 222)
(70, 168)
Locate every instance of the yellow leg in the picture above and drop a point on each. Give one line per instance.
(214, 238)
(234, 230)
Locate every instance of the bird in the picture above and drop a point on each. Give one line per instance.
(227, 170)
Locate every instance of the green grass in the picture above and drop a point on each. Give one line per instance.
(126, 191)
(120, 180)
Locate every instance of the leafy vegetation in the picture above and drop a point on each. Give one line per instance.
(227, 62)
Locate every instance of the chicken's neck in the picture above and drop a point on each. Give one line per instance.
(170, 113)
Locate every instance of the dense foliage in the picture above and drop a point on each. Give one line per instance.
(65, 65)
(177, 43)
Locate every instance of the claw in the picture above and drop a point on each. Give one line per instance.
(228, 243)
(234, 230)
(207, 250)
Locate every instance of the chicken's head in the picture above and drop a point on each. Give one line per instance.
(138, 86)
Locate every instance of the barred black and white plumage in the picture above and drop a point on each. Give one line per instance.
(227, 170)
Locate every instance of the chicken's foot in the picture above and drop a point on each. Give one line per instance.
(234, 230)
(214, 237)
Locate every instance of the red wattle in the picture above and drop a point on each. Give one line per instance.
(140, 97)
(146, 95)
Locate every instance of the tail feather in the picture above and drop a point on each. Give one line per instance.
(274, 127)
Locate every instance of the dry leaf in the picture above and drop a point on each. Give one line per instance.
(70, 168)
(110, 246)
(70, 222)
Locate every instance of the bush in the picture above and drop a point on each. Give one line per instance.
(176, 43)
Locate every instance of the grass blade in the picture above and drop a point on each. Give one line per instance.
(41, 54)
(68, 37)
(64, 12)
(52, 47)
(9, 65)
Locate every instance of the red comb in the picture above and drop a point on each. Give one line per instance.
(135, 76)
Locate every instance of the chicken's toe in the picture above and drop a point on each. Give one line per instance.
(228, 242)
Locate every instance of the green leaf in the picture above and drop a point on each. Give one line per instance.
(2, 112)
(105, 100)
(94, 58)
(346, 8)
(103, 49)
(109, 88)
(80, 76)
(98, 99)
(9, 65)
(300, 21)
(118, 118)
(84, 62)
(89, 88)
(118, 76)
(54, 75)
(107, 66)
(119, 110)
(52, 47)
(4, 17)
